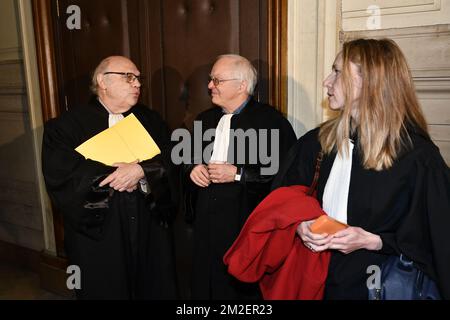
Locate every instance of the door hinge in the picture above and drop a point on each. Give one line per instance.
(57, 8)
(66, 103)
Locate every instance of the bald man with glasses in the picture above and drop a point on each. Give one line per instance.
(227, 187)
(116, 218)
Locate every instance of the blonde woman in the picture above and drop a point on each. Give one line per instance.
(381, 174)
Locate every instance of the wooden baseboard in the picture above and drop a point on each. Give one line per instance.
(51, 269)
(52, 273)
(20, 257)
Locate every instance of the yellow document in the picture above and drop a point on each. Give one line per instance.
(126, 141)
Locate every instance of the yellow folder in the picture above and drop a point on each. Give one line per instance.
(126, 141)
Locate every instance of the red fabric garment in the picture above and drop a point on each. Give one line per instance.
(269, 251)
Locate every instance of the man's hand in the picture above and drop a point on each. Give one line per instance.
(125, 178)
(222, 172)
(200, 176)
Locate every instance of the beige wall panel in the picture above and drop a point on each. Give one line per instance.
(12, 127)
(433, 87)
(440, 133)
(427, 49)
(21, 236)
(20, 215)
(437, 111)
(10, 54)
(16, 149)
(11, 77)
(15, 191)
(16, 103)
(9, 36)
(444, 148)
(20, 208)
(434, 97)
(360, 14)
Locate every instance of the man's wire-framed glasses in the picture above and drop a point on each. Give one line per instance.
(130, 77)
(217, 81)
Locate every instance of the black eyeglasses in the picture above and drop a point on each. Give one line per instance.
(131, 77)
(217, 81)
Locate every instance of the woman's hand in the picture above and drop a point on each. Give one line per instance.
(345, 241)
(315, 242)
(354, 238)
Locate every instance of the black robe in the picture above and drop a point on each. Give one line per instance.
(222, 209)
(408, 205)
(121, 241)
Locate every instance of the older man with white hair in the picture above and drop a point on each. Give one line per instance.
(237, 177)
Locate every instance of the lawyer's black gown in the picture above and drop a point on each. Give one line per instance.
(408, 205)
(120, 240)
(222, 209)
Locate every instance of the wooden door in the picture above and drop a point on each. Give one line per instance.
(172, 42)
(181, 40)
(103, 31)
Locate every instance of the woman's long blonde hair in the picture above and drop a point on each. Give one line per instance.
(387, 103)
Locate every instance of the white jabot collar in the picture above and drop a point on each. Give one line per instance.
(335, 196)
(113, 118)
(222, 139)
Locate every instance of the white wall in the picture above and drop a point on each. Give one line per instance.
(317, 29)
(312, 46)
(357, 14)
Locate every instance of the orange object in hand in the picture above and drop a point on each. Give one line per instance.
(328, 225)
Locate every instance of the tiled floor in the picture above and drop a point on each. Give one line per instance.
(18, 284)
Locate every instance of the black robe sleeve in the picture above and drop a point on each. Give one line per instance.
(298, 165)
(189, 192)
(256, 185)
(72, 181)
(431, 200)
(160, 173)
(423, 232)
(252, 173)
(416, 216)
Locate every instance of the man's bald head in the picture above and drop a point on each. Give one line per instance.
(104, 66)
(116, 83)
